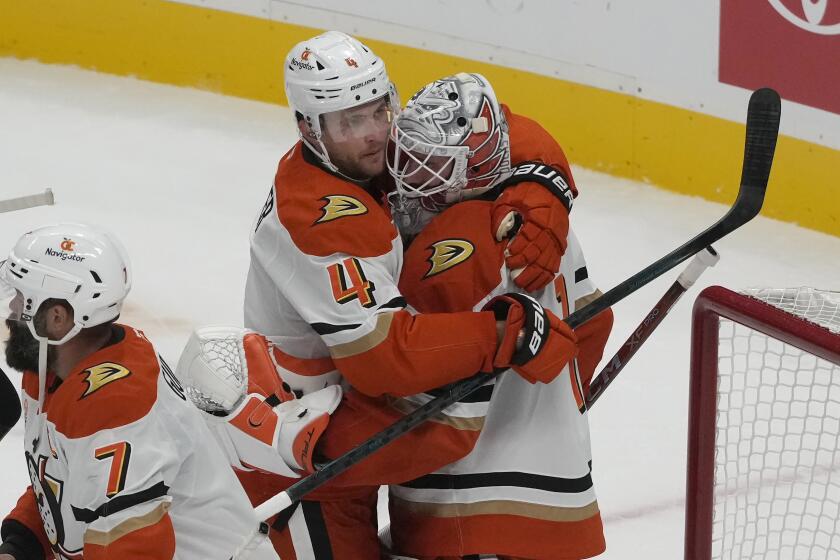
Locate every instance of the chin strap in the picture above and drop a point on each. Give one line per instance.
(43, 345)
(42, 374)
(320, 151)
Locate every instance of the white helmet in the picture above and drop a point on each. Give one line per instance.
(85, 266)
(333, 72)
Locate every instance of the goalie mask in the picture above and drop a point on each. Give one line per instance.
(450, 143)
(329, 77)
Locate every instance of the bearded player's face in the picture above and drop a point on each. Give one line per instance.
(355, 138)
(21, 347)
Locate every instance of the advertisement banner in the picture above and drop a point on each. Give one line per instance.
(792, 46)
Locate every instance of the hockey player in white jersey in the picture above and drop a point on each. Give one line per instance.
(525, 491)
(322, 284)
(121, 463)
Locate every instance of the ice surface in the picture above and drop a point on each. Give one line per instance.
(180, 175)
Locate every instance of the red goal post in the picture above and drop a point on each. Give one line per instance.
(764, 426)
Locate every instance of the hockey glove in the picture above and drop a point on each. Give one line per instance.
(542, 207)
(232, 374)
(534, 342)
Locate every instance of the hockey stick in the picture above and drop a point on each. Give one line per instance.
(762, 131)
(45, 198)
(701, 261)
(9, 405)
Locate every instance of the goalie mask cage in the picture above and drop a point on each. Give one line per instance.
(764, 426)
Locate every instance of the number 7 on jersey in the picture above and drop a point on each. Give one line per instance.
(120, 453)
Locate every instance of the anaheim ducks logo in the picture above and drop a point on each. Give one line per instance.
(100, 375)
(448, 253)
(339, 206)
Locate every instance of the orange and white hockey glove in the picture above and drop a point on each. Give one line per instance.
(535, 342)
(231, 374)
(533, 210)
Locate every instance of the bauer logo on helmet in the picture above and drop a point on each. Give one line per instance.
(363, 84)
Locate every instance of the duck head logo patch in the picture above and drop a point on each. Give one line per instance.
(448, 253)
(340, 205)
(100, 375)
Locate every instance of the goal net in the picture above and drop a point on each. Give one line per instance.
(764, 426)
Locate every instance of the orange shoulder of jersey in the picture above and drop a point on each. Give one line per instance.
(325, 214)
(454, 262)
(113, 387)
(531, 142)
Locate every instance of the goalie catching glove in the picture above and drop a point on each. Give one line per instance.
(538, 197)
(535, 342)
(231, 373)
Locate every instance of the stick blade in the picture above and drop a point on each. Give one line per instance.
(763, 116)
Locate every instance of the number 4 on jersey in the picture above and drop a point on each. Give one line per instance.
(348, 283)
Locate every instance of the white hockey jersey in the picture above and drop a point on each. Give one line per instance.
(123, 466)
(526, 489)
(325, 262)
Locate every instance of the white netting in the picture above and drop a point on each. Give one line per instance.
(777, 466)
(818, 306)
(224, 356)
